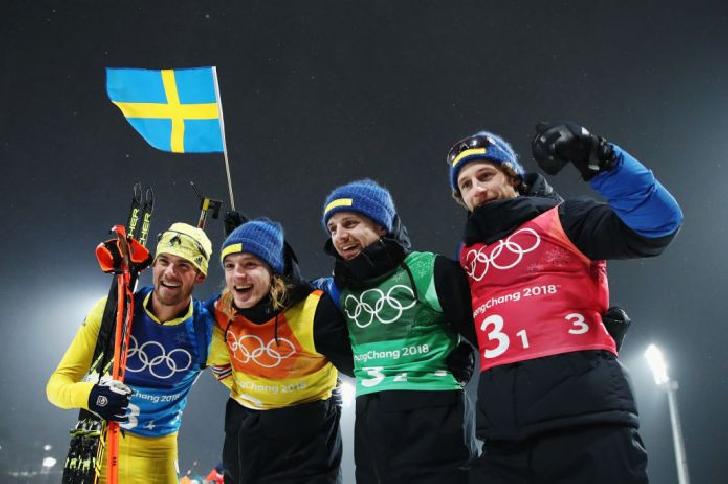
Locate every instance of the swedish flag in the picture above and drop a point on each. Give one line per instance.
(173, 109)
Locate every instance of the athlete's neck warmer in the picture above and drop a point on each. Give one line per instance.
(263, 311)
(535, 185)
(375, 260)
(258, 314)
(498, 219)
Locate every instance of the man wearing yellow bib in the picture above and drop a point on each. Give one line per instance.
(274, 346)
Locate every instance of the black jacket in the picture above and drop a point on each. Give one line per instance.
(518, 400)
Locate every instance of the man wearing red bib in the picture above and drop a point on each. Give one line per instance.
(554, 402)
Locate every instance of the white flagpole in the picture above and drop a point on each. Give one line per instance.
(224, 144)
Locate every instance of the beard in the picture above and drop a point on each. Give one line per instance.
(171, 297)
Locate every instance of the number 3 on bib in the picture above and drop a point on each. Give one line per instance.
(495, 334)
(492, 326)
(375, 372)
(577, 320)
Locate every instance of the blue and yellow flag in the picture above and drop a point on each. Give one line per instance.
(173, 109)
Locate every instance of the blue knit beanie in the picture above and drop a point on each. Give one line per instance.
(482, 146)
(365, 197)
(261, 237)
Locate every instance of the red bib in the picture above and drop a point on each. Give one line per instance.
(535, 294)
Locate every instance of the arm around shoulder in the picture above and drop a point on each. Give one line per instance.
(331, 336)
(218, 357)
(453, 294)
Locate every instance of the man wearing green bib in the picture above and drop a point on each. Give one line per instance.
(405, 312)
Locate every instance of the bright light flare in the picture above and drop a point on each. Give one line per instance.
(48, 462)
(348, 393)
(657, 363)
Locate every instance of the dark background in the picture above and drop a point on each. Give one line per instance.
(319, 93)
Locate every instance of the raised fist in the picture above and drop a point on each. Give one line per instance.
(555, 145)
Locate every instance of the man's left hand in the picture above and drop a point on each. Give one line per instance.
(555, 145)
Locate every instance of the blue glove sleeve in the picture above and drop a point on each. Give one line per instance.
(637, 197)
(327, 285)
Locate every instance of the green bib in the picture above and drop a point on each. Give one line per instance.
(398, 332)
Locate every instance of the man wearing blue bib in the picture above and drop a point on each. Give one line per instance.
(167, 351)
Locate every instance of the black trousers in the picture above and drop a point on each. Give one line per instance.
(594, 454)
(412, 437)
(291, 445)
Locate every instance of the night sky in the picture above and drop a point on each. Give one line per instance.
(319, 93)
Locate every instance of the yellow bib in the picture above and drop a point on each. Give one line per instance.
(275, 364)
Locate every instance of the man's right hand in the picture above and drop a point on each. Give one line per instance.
(109, 399)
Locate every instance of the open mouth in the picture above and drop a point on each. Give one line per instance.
(243, 291)
(170, 285)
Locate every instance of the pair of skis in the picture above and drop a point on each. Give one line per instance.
(126, 256)
(129, 257)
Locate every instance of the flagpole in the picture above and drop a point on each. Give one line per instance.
(224, 144)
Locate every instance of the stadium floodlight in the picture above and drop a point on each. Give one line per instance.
(658, 365)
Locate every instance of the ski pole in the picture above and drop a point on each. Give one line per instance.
(124, 315)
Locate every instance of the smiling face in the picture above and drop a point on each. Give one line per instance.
(351, 233)
(247, 278)
(481, 182)
(173, 278)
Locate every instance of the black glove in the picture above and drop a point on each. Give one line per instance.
(232, 220)
(617, 323)
(555, 145)
(461, 362)
(109, 400)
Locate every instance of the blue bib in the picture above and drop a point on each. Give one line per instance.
(163, 362)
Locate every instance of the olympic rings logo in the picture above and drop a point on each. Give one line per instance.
(152, 356)
(262, 354)
(506, 255)
(355, 308)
